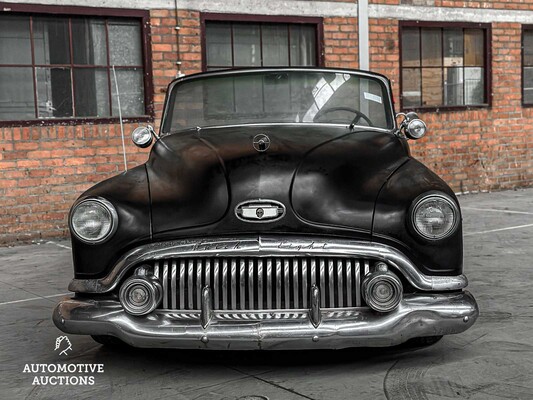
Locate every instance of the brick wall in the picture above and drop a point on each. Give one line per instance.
(43, 169)
(481, 149)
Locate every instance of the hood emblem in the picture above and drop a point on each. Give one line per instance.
(260, 210)
(261, 142)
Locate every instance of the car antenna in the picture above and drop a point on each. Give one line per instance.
(120, 118)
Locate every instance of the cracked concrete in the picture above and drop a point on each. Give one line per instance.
(494, 359)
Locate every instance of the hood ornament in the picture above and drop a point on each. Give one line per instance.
(260, 210)
(261, 142)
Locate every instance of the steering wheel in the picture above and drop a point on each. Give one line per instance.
(357, 118)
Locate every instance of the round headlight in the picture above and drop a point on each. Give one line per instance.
(93, 220)
(435, 217)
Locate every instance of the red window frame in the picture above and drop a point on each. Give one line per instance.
(214, 17)
(67, 12)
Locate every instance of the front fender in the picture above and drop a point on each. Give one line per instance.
(129, 194)
(391, 223)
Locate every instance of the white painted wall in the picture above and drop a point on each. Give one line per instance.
(310, 8)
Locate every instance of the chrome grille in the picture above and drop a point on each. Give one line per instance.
(266, 283)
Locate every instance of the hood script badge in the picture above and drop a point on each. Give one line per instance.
(261, 142)
(260, 210)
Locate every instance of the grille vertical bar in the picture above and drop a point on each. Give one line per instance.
(165, 284)
(256, 283)
(173, 291)
(251, 287)
(242, 284)
(269, 284)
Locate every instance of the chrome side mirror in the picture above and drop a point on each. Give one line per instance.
(143, 135)
(412, 126)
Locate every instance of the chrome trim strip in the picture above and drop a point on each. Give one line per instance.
(349, 283)
(269, 283)
(165, 284)
(199, 285)
(190, 291)
(216, 286)
(331, 285)
(251, 284)
(304, 283)
(233, 285)
(323, 282)
(182, 284)
(340, 290)
(242, 283)
(287, 274)
(357, 284)
(260, 283)
(173, 291)
(264, 246)
(224, 284)
(295, 280)
(417, 315)
(278, 283)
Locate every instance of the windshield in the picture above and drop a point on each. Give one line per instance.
(263, 97)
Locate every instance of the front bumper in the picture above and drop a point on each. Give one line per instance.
(417, 315)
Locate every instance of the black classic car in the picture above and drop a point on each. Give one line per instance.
(279, 208)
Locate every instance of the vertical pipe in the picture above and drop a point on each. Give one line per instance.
(362, 19)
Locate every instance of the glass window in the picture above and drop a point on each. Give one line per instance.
(284, 96)
(259, 44)
(527, 66)
(62, 67)
(443, 67)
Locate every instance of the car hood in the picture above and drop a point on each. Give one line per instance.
(326, 176)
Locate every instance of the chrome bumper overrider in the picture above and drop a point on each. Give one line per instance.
(417, 315)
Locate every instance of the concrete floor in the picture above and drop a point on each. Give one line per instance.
(494, 359)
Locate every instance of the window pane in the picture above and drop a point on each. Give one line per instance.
(125, 42)
(51, 41)
(218, 40)
(303, 45)
(528, 48)
(474, 86)
(453, 47)
(431, 47)
(528, 85)
(16, 96)
(89, 42)
(275, 45)
(474, 52)
(411, 87)
(54, 92)
(131, 91)
(15, 47)
(411, 47)
(432, 86)
(453, 86)
(246, 45)
(91, 92)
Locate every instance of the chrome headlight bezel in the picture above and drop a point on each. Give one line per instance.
(434, 196)
(101, 202)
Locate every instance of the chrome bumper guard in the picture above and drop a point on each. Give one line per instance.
(417, 315)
